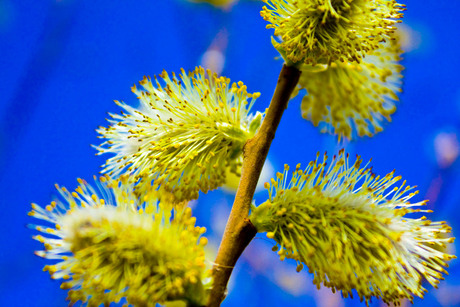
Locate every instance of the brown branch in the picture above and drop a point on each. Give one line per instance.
(239, 230)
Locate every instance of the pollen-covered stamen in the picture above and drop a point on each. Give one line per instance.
(350, 228)
(111, 245)
(184, 135)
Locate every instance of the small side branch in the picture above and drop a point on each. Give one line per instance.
(239, 230)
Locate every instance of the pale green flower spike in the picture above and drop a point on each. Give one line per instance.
(110, 245)
(351, 99)
(184, 135)
(349, 227)
(325, 31)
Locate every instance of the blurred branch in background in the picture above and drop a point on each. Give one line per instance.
(224, 4)
(214, 57)
(446, 151)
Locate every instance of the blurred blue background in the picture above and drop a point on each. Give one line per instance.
(63, 62)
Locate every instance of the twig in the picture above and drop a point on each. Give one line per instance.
(239, 230)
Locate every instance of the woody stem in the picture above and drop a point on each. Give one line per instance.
(239, 230)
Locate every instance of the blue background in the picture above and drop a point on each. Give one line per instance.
(63, 62)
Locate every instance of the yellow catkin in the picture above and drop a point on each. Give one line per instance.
(346, 226)
(351, 100)
(143, 251)
(182, 122)
(324, 31)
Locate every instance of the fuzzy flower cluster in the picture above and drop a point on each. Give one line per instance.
(350, 99)
(349, 227)
(185, 134)
(110, 245)
(325, 31)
